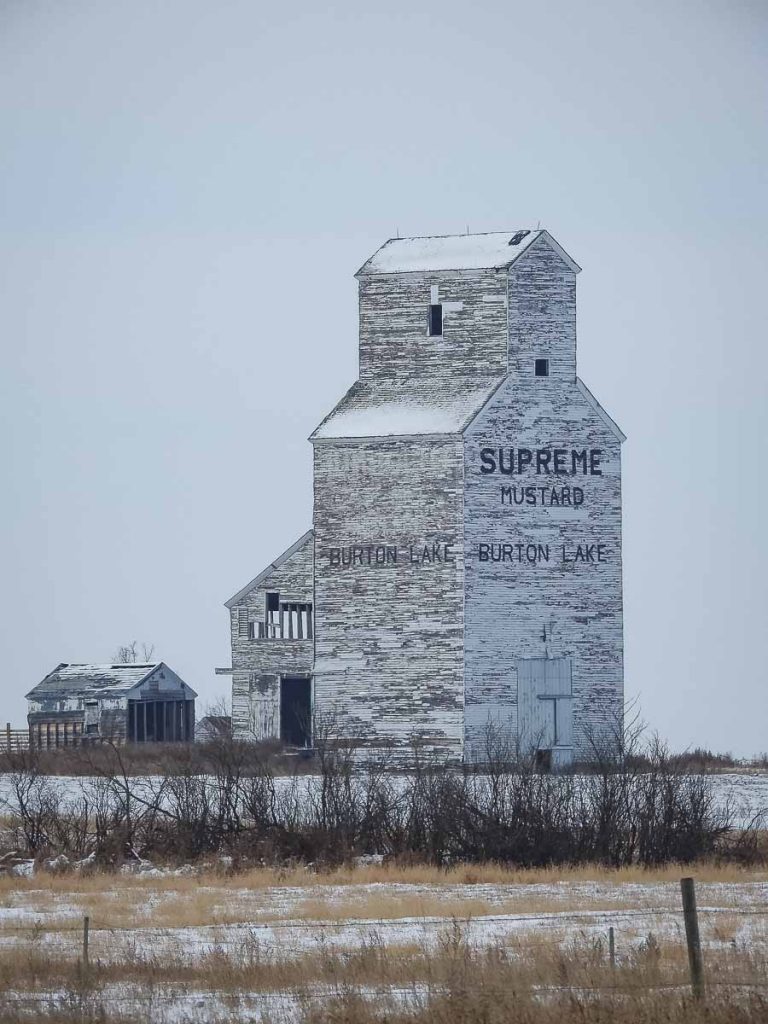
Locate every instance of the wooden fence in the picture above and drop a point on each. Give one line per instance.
(13, 739)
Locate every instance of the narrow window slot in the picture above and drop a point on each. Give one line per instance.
(435, 320)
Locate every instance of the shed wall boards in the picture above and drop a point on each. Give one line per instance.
(464, 567)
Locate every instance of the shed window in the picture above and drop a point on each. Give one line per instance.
(542, 368)
(435, 320)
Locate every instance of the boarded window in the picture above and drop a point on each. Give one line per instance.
(242, 622)
(435, 320)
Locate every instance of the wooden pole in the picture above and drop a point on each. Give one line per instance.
(86, 929)
(8, 737)
(611, 947)
(691, 917)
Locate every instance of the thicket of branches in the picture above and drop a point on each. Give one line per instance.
(627, 810)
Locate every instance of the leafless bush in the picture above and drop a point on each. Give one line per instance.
(629, 809)
(130, 654)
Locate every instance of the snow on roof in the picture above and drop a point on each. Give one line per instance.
(450, 252)
(91, 679)
(439, 407)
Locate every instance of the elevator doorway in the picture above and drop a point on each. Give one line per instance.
(296, 711)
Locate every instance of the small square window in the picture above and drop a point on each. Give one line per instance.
(435, 320)
(542, 368)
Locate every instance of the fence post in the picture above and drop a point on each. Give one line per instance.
(86, 929)
(611, 947)
(691, 917)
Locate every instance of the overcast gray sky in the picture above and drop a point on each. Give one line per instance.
(186, 189)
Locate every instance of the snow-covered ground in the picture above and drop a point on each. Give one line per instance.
(284, 924)
(391, 913)
(746, 791)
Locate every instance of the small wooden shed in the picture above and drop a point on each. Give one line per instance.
(134, 703)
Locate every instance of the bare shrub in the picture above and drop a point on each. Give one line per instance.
(637, 805)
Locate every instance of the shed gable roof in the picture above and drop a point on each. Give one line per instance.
(488, 251)
(92, 680)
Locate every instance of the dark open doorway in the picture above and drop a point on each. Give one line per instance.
(296, 711)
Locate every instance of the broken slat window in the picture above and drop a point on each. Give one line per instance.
(289, 623)
(541, 368)
(272, 618)
(435, 320)
(295, 621)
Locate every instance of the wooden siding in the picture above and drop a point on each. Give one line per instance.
(103, 711)
(409, 648)
(543, 608)
(542, 684)
(395, 346)
(388, 637)
(258, 664)
(542, 314)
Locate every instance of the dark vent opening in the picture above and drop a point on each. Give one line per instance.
(435, 320)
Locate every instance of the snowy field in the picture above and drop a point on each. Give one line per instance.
(745, 792)
(290, 921)
(186, 932)
(143, 921)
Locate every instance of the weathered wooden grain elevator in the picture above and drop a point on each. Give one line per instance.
(463, 577)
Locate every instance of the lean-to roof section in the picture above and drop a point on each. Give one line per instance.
(305, 538)
(416, 410)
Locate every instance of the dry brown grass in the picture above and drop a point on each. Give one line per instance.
(368, 893)
(526, 980)
(462, 874)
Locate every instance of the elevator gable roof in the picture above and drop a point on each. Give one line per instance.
(103, 680)
(418, 409)
(494, 250)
